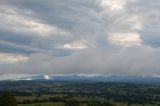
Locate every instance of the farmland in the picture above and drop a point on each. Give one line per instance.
(50, 93)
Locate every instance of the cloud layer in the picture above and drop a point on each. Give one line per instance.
(79, 37)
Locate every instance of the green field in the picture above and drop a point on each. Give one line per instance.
(43, 104)
(41, 93)
(62, 104)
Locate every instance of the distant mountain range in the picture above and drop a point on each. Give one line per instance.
(97, 78)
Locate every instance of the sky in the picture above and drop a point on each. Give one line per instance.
(53, 37)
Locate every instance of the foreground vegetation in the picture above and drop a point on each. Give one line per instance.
(43, 104)
(48, 93)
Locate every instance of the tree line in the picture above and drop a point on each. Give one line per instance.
(7, 99)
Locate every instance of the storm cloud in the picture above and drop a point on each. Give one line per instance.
(79, 37)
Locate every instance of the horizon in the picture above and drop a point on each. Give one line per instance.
(64, 76)
(79, 37)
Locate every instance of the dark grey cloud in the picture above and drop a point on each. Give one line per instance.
(151, 38)
(76, 17)
(78, 36)
(63, 14)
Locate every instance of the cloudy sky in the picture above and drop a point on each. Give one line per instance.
(79, 37)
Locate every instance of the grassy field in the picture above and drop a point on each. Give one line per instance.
(62, 104)
(43, 104)
(79, 98)
(56, 93)
(42, 97)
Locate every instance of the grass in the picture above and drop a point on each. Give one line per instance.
(44, 104)
(33, 97)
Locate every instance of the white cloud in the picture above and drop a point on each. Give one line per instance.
(113, 4)
(137, 24)
(47, 77)
(14, 21)
(75, 45)
(13, 76)
(125, 39)
(12, 58)
(135, 60)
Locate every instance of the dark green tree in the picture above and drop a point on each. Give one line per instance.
(7, 99)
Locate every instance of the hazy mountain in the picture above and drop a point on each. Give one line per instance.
(98, 78)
